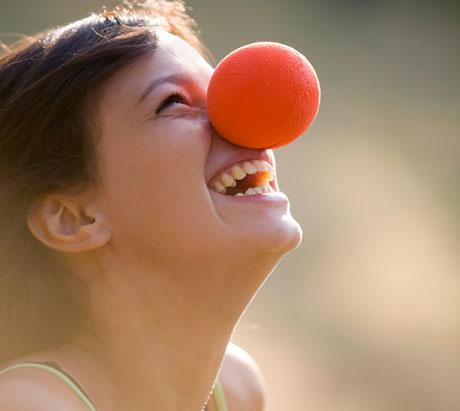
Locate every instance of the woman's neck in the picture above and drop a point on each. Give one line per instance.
(168, 374)
(160, 346)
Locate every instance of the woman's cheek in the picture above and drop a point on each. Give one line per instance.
(155, 184)
(189, 126)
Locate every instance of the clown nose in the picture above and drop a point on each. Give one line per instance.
(263, 95)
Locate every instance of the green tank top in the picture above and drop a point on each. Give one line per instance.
(218, 392)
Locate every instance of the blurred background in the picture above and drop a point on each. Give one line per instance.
(365, 314)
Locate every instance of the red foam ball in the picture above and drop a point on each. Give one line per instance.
(263, 95)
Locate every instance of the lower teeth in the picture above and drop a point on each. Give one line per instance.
(256, 190)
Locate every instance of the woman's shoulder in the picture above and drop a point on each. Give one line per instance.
(33, 389)
(242, 380)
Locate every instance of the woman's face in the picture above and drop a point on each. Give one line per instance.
(158, 158)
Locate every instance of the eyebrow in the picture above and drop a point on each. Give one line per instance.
(177, 78)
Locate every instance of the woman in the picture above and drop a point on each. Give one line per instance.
(124, 264)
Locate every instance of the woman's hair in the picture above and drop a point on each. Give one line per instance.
(49, 84)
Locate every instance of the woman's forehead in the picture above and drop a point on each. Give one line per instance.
(174, 50)
(172, 55)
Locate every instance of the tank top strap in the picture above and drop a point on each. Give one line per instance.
(219, 397)
(218, 392)
(64, 377)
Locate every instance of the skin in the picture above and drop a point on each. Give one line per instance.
(170, 264)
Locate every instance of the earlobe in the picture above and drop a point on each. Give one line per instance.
(63, 225)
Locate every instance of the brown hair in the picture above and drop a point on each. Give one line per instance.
(48, 88)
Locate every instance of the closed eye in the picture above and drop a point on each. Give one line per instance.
(175, 97)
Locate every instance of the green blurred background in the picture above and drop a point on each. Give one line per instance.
(365, 314)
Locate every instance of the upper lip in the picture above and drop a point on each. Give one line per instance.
(242, 155)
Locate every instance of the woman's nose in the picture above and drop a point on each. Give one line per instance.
(220, 144)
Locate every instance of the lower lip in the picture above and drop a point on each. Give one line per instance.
(276, 197)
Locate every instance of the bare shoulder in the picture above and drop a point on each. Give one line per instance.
(242, 380)
(31, 389)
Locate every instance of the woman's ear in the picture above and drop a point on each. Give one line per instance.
(62, 224)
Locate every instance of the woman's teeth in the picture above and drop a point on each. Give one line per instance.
(257, 190)
(230, 177)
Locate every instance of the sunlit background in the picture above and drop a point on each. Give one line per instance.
(365, 314)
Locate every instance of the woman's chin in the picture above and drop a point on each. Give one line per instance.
(259, 224)
(282, 239)
(273, 237)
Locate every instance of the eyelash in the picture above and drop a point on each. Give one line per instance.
(174, 97)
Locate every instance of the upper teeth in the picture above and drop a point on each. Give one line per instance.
(228, 177)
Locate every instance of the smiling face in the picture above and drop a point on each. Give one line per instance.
(160, 162)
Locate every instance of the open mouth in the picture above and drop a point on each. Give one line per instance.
(245, 178)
